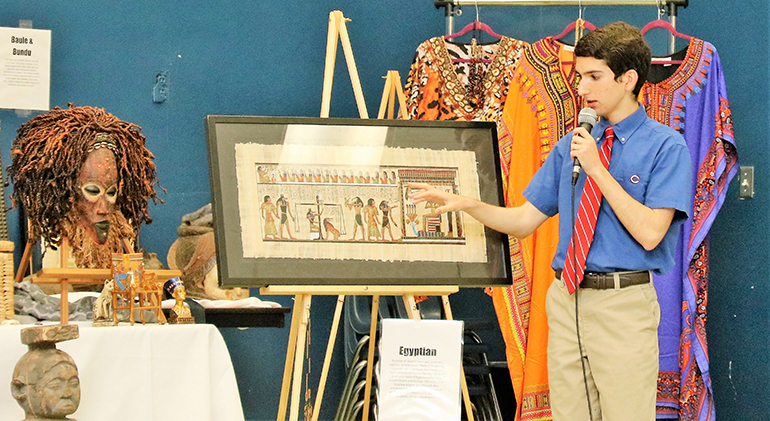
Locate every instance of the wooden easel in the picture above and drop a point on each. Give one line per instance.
(338, 30)
(65, 275)
(390, 92)
(295, 352)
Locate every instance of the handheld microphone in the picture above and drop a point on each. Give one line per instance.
(586, 119)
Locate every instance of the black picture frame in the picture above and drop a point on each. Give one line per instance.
(225, 133)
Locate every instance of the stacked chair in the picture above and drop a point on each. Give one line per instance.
(478, 376)
(357, 319)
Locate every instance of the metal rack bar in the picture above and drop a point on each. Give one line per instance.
(451, 7)
(445, 3)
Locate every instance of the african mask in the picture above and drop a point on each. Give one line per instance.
(75, 169)
(97, 192)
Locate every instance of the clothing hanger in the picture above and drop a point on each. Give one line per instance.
(661, 23)
(476, 25)
(574, 25)
(578, 27)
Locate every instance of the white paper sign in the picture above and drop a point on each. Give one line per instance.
(25, 68)
(420, 363)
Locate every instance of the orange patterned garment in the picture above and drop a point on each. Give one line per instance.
(541, 108)
(453, 81)
(472, 88)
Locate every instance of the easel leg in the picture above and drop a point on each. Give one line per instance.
(296, 316)
(463, 383)
(328, 357)
(24, 263)
(392, 95)
(402, 111)
(352, 69)
(384, 100)
(331, 57)
(338, 30)
(299, 359)
(411, 307)
(370, 358)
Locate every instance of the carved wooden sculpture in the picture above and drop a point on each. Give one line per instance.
(45, 380)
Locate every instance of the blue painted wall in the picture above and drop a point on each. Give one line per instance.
(267, 58)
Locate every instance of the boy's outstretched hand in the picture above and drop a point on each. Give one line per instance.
(448, 202)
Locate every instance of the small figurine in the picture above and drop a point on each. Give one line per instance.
(45, 380)
(179, 314)
(103, 305)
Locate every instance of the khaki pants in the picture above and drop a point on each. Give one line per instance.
(618, 331)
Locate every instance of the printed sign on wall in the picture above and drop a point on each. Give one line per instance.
(25, 68)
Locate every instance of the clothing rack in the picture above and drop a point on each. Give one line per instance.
(452, 7)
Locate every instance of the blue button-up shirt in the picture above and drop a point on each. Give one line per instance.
(652, 164)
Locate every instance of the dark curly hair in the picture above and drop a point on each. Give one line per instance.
(621, 46)
(47, 156)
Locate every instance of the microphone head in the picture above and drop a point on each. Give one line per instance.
(587, 116)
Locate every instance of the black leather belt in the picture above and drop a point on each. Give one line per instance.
(595, 280)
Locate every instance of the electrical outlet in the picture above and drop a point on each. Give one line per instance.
(747, 182)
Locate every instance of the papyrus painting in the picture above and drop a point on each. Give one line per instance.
(315, 202)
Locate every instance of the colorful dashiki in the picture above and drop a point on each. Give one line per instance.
(542, 107)
(472, 88)
(691, 98)
(439, 89)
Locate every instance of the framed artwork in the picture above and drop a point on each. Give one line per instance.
(311, 201)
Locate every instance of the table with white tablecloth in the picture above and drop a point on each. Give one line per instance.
(142, 373)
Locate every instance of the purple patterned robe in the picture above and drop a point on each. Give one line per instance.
(692, 100)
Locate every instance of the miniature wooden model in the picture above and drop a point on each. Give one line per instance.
(135, 289)
(45, 380)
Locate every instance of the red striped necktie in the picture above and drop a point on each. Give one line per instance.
(588, 211)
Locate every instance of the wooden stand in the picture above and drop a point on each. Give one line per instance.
(298, 332)
(65, 276)
(390, 92)
(295, 353)
(338, 30)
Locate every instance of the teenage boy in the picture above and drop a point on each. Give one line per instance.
(642, 200)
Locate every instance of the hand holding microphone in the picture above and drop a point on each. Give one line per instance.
(586, 119)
